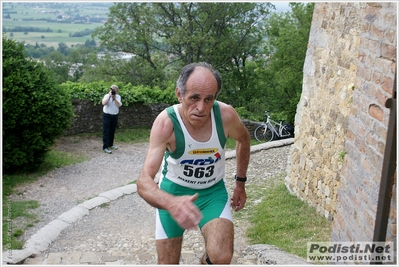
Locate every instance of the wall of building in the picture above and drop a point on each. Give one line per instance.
(341, 121)
(321, 121)
(367, 127)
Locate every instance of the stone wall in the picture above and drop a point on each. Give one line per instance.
(322, 114)
(341, 121)
(88, 117)
(367, 127)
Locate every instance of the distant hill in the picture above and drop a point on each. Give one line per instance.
(51, 23)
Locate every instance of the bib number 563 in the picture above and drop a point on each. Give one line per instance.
(198, 172)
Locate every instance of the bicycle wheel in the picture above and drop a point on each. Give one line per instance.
(263, 134)
(285, 132)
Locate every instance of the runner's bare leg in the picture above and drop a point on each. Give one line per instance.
(169, 250)
(219, 241)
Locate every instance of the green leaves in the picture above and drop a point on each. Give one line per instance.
(130, 94)
(184, 32)
(35, 109)
(285, 50)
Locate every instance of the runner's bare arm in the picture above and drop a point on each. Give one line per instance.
(235, 129)
(160, 135)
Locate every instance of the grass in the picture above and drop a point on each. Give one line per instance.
(283, 220)
(13, 210)
(135, 135)
(23, 209)
(50, 39)
(130, 136)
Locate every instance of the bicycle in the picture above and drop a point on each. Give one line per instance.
(270, 130)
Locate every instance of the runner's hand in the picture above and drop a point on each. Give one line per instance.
(185, 212)
(239, 198)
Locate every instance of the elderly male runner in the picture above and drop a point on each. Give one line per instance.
(188, 139)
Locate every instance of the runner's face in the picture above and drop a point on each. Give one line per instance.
(200, 95)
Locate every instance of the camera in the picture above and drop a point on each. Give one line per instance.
(113, 92)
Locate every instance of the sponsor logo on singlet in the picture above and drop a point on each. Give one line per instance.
(203, 151)
(203, 161)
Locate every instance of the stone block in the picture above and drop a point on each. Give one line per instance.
(43, 238)
(109, 258)
(16, 256)
(268, 254)
(58, 224)
(89, 258)
(301, 185)
(94, 202)
(129, 189)
(72, 258)
(388, 51)
(376, 112)
(55, 258)
(112, 194)
(74, 214)
(36, 259)
(117, 252)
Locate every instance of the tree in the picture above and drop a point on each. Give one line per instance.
(35, 109)
(90, 43)
(63, 49)
(285, 51)
(77, 58)
(57, 63)
(166, 36)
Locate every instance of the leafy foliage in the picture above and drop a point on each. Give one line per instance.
(130, 94)
(166, 36)
(35, 109)
(259, 54)
(134, 71)
(288, 35)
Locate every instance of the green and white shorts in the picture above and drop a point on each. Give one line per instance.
(213, 202)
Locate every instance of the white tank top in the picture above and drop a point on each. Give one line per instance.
(195, 164)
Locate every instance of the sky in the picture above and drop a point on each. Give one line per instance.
(281, 6)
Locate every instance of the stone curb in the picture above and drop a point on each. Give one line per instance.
(272, 255)
(40, 241)
(263, 146)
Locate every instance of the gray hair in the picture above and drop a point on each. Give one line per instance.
(114, 86)
(189, 69)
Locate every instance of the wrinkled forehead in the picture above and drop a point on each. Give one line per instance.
(203, 79)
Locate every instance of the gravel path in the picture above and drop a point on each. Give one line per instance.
(64, 188)
(122, 231)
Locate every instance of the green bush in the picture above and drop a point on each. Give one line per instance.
(35, 109)
(130, 94)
